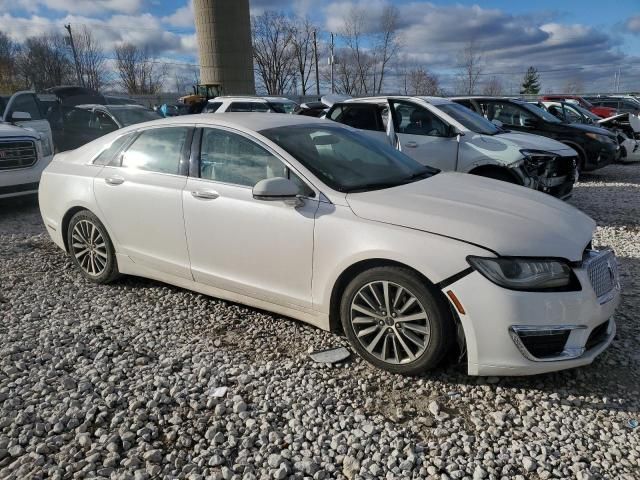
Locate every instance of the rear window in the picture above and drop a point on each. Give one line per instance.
(212, 107)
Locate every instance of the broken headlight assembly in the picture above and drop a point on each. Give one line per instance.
(535, 162)
(526, 273)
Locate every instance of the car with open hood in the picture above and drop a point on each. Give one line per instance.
(596, 147)
(318, 221)
(440, 133)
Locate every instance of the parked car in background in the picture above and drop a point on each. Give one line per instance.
(623, 104)
(326, 225)
(596, 146)
(173, 109)
(25, 109)
(442, 134)
(600, 110)
(250, 104)
(84, 123)
(569, 112)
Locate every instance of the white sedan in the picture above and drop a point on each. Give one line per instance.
(316, 221)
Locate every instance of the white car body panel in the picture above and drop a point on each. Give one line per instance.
(288, 259)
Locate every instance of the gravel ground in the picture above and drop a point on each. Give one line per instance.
(118, 382)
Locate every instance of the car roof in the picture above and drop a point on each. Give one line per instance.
(240, 120)
(383, 98)
(250, 98)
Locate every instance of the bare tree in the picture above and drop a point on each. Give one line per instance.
(184, 80)
(470, 68)
(346, 76)
(574, 85)
(8, 68)
(139, 73)
(421, 82)
(44, 62)
(388, 43)
(354, 38)
(493, 87)
(302, 42)
(273, 51)
(91, 59)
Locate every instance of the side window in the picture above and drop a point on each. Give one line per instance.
(27, 103)
(212, 107)
(363, 117)
(157, 150)
(509, 114)
(104, 122)
(609, 103)
(416, 120)
(77, 118)
(108, 153)
(466, 103)
(239, 107)
(259, 107)
(231, 158)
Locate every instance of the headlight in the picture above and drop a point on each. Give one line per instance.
(519, 273)
(600, 138)
(47, 149)
(535, 161)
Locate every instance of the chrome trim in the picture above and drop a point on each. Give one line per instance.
(516, 331)
(592, 260)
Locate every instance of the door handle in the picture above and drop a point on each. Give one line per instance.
(205, 194)
(114, 180)
(411, 144)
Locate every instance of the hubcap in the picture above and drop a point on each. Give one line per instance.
(389, 322)
(89, 248)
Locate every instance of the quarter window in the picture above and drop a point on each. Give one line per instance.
(157, 150)
(363, 117)
(507, 113)
(231, 158)
(108, 153)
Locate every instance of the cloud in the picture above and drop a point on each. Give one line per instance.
(632, 25)
(78, 7)
(182, 17)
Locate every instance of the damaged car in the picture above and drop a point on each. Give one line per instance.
(442, 134)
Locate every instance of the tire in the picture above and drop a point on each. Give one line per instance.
(91, 249)
(498, 174)
(386, 342)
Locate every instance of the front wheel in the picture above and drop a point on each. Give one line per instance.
(395, 321)
(91, 249)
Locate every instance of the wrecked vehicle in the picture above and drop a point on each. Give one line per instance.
(442, 134)
(627, 128)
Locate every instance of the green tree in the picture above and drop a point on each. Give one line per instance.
(531, 82)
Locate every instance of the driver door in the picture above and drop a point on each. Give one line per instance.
(424, 136)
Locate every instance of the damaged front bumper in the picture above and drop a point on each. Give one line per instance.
(552, 174)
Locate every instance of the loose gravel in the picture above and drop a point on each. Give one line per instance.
(122, 382)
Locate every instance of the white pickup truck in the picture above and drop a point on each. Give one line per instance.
(26, 144)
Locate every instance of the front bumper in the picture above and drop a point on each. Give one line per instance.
(22, 181)
(555, 177)
(492, 312)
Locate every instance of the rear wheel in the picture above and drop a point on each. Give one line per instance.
(91, 249)
(394, 321)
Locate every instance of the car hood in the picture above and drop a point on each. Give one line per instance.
(7, 130)
(536, 142)
(508, 219)
(589, 128)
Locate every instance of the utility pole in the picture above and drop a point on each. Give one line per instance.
(75, 55)
(315, 54)
(331, 61)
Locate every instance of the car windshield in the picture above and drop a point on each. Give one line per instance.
(470, 119)
(284, 107)
(537, 111)
(586, 113)
(132, 115)
(346, 160)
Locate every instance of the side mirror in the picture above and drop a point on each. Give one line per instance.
(453, 131)
(20, 117)
(277, 188)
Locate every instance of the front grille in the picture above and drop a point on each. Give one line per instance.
(562, 166)
(547, 345)
(602, 268)
(17, 154)
(598, 335)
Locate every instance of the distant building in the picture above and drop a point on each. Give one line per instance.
(223, 29)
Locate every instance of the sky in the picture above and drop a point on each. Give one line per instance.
(585, 41)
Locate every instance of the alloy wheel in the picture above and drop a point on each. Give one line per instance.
(389, 322)
(89, 248)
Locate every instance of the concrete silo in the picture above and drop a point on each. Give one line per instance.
(223, 30)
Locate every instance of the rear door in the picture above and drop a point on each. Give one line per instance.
(140, 196)
(370, 118)
(423, 135)
(28, 102)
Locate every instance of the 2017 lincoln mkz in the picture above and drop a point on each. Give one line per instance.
(316, 221)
